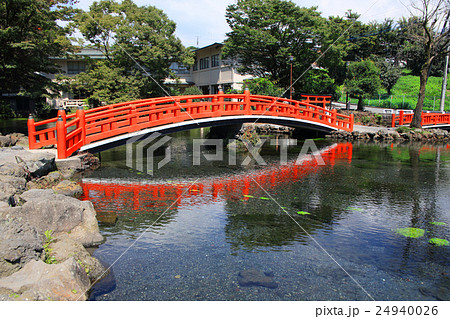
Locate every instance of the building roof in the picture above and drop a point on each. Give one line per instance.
(211, 45)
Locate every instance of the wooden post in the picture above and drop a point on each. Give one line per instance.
(247, 108)
(61, 138)
(62, 113)
(80, 114)
(352, 122)
(400, 121)
(31, 133)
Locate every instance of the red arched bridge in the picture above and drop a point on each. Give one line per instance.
(114, 124)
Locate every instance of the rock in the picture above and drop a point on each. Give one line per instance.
(41, 281)
(19, 244)
(68, 188)
(45, 210)
(7, 193)
(5, 141)
(65, 248)
(12, 169)
(107, 218)
(253, 277)
(36, 194)
(19, 183)
(41, 165)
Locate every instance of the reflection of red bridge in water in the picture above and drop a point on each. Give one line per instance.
(159, 196)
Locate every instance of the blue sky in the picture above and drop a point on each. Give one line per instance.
(204, 20)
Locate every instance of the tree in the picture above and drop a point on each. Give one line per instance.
(104, 84)
(432, 16)
(139, 41)
(29, 35)
(363, 80)
(389, 74)
(262, 86)
(266, 32)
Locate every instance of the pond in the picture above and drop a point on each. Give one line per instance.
(315, 230)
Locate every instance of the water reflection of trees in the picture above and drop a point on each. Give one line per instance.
(403, 177)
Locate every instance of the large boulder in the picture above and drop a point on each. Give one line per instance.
(12, 169)
(19, 244)
(45, 210)
(68, 188)
(41, 281)
(64, 248)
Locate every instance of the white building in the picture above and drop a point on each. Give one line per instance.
(209, 71)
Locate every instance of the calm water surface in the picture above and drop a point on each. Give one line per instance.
(187, 231)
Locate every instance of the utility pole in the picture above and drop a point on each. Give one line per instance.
(444, 78)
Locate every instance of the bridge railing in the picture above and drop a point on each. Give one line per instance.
(70, 132)
(427, 119)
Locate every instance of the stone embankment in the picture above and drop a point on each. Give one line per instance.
(433, 135)
(44, 230)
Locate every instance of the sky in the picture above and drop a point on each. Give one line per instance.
(202, 22)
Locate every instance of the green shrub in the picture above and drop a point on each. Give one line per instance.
(6, 112)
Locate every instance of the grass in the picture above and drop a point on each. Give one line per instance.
(404, 95)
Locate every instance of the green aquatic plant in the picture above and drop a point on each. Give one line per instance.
(439, 242)
(356, 209)
(303, 213)
(438, 223)
(410, 232)
(249, 196)
(265, 198)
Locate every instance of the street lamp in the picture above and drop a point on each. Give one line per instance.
(291, 59)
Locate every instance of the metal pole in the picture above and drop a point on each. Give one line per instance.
(291, 58)
(444, 84)
(444, 78)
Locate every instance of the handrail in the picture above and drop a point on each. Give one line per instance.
(427, 119)
(73, 131)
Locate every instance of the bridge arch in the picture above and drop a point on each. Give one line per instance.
(108, 125)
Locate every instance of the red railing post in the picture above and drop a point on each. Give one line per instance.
(31, 133)
(80, 114)
(62, 113)
(352, 122)
(400, 121)
(247, 106)
(61, 138)
(334, 117)
(393, 119)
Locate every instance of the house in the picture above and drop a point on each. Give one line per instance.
(72, 65)
(209, 71)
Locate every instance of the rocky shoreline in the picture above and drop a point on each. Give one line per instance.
(419, 135)
(44, 229)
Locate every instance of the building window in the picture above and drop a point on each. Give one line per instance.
(204, 63)
(76, 67)
(215, 60)
(195, 67)
(214, 89)
(205, 89)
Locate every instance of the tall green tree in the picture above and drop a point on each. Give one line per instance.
(266, 32)
(29, 35)
(137, 40)
(435, 44)
(363, 80)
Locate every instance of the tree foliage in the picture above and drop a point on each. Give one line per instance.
(29, 35)
(266, 32)
(363, 79)
(139, 44)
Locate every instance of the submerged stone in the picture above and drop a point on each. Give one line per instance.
(253, 277)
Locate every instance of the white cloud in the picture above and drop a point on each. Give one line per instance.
(205, 19)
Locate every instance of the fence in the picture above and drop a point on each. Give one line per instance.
(431, 103)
